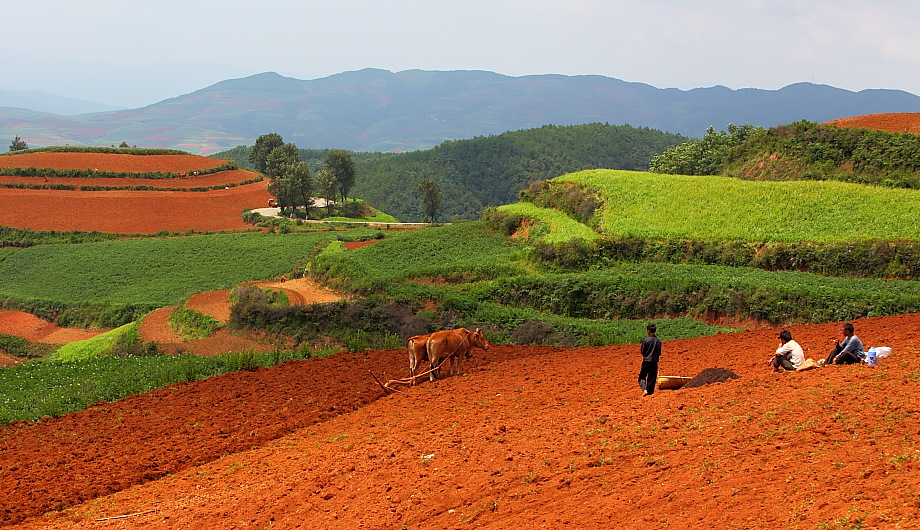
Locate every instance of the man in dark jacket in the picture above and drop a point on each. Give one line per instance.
(651, 352)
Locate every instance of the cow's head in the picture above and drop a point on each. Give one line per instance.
(479, 340)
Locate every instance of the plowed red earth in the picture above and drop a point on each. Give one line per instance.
(527, 437)
(900, 122)
(34, 329)
(131, 212)
(112, 162)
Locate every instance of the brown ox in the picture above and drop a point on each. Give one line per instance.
(453, 344)
(418, 352)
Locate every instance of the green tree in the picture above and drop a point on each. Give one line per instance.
(300, 186)
(340, 164)
(431, 198)
(327, 187)
(263, 147)
(18, 145)
(290, 177)
(705, 156)
(280, 159)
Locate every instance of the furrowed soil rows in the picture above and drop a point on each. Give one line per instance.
(131, 212)
(112, 162)
(526, 437)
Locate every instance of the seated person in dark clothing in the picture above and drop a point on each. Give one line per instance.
(847, 351)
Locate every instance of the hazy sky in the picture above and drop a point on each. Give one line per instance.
(133, 53)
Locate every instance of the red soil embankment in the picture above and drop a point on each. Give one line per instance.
(34, 329)
(899, 122)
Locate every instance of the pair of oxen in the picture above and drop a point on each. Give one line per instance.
(443, 346)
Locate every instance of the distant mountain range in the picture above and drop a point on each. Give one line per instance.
(44, 102)
(378, 110)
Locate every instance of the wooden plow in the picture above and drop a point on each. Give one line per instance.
(387, 388)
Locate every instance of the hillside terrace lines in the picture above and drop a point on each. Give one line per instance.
(221, 179)
(118, 162)
(115, 205)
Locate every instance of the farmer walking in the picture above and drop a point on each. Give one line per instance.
(651, 352)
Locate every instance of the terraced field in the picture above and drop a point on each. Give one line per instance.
(128, 204)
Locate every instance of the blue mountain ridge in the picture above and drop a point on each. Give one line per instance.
(379, 110)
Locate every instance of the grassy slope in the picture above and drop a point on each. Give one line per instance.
(649, 205)
(149, 271)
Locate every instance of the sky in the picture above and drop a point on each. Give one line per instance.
(131, 53)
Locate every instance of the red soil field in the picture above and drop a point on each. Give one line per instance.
(527, 437)
(34, 329)
(8, 361)
(131, 212)
(902, 122)
(221, 178)
(111, 162)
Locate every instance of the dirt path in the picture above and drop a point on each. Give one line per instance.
(527, 437)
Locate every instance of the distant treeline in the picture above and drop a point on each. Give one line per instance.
(489, 171)
(807, 150)
(802, 150)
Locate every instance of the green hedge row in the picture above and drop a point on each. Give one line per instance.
(871, 259)
(646, 290)
(83, 315)
(21, 347)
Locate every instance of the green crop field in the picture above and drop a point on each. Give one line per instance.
(149, 271)
(467, 250)
(650, 205)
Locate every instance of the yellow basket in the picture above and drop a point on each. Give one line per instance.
(671, 382)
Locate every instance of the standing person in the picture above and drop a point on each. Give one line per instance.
(789, 355)
(651, 352)
(847, 351)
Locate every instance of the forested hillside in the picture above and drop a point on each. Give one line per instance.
(490, 171)
(807, 150)
(802, 150)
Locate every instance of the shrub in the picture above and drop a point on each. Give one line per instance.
(190, 324)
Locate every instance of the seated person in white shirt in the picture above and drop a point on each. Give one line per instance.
(789, 355)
